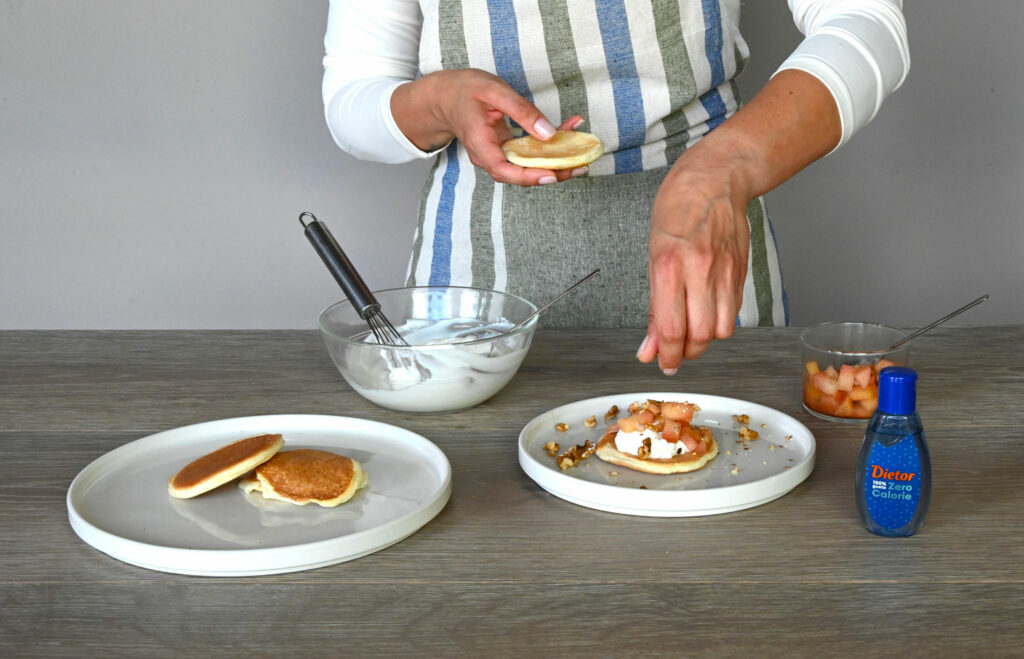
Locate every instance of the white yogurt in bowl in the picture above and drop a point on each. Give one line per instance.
(461, 352)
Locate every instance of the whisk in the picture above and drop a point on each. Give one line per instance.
(355, 288)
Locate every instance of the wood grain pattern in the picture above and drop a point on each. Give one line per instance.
(507, 568)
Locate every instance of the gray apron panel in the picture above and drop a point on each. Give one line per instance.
(555, 234)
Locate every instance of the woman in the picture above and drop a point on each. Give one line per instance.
(673, 213)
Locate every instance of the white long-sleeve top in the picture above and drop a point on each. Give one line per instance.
(856, 48)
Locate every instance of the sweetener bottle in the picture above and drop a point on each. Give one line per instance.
(894, 473)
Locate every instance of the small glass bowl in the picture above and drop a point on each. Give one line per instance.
(840, 365)
(431, 375)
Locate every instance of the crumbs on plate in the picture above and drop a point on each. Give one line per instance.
(575, 455)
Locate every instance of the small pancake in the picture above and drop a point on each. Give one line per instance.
(567, 149)
(675, 465)
(306, 476)
(223, 465)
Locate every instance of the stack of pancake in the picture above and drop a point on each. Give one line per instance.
(299, 476)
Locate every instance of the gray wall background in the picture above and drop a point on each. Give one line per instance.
(154, 158)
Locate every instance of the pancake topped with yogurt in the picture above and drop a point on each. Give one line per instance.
(658, 438)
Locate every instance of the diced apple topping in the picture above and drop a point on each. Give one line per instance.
(678, 411)
(850, 392)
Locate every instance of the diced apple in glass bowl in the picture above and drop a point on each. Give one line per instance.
(851, 392)
(841, 362)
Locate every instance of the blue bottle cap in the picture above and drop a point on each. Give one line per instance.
(897, 390)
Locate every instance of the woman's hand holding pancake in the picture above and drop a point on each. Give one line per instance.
(471, 105)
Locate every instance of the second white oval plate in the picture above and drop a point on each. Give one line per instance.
(119, 503)
(743, 475)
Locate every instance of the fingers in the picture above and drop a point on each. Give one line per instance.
(696, 282)
(520, 110)
(682, 328)
(566, 174)
(702, 322)
(668, 310)
(572, 123)
(484, 148)
(528, 176)
(503, 171)
(729, 298)
(494, 162)
(482, 127)
(689, 309)
(648, 349)
(686, 318)
(483, 144)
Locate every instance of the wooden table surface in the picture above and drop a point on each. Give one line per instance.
(507, 569)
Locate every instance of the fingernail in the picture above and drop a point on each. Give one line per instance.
(544, 180)
(580, 171)
(643, 344)
(544, 128)
(579, 122)
(669, 371)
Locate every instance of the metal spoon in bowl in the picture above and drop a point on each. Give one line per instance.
(938, 322)
(560, 296)
(496, 326)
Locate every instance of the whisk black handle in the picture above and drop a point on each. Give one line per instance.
(339, 264)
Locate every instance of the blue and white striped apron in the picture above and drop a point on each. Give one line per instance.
(650, 77)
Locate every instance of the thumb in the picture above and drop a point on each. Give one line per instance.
(523, 112)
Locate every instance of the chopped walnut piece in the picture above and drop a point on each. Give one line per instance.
(747, 433)
(551, 448)
(741, 418)
(634, 407)
(612, 412)
(590, 421)
(561, 427)
(575, 455)
(644, 449)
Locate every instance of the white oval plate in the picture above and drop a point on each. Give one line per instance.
(119, 504)
(743, 475)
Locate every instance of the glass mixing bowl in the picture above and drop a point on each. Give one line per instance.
(461, 352)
